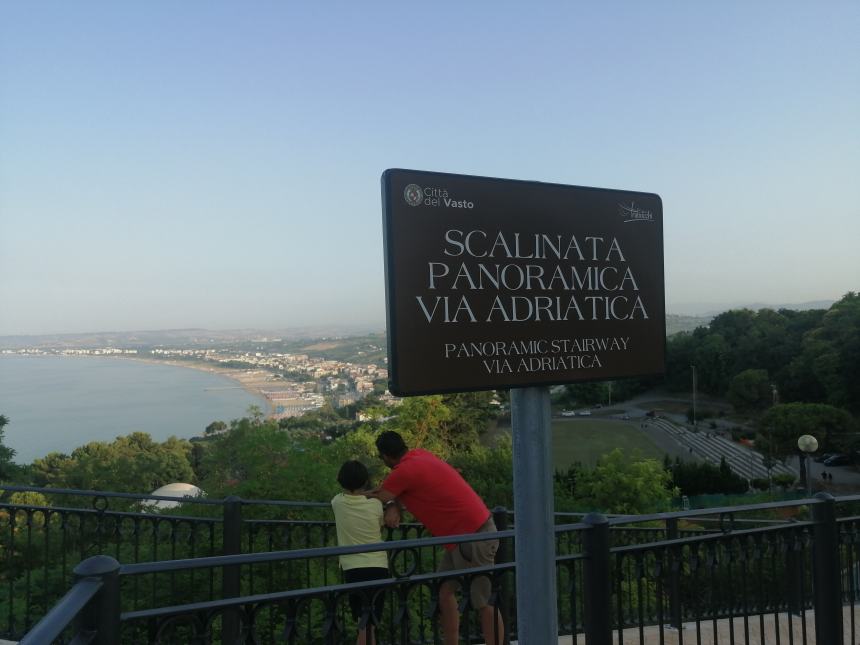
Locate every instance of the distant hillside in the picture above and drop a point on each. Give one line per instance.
(361, 349)
(802, 306)
(712, 309)
(676, 323)
(179, 337)
(688, 322)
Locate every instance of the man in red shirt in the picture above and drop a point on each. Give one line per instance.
(445, 504)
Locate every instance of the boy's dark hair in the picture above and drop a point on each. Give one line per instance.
(391, 444)
(352, 475)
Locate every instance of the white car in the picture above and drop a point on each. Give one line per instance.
(568, 413)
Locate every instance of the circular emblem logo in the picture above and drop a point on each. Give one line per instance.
(413, 195)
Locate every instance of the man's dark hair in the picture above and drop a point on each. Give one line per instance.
(352, 475)
(390, 444)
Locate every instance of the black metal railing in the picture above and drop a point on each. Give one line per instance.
(741, 573)
(43, 538)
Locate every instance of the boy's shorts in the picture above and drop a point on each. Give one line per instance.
(357, 598)
(467, 555)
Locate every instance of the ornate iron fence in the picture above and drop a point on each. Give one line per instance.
(742, 573)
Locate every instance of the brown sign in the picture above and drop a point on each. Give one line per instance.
(495, 283)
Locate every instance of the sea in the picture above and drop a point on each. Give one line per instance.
(57, 403)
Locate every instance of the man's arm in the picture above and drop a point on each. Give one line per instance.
(392, 507)
(381, 494)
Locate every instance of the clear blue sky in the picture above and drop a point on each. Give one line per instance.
(211, 164)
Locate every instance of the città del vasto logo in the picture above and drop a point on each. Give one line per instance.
(414, 195)
(633, 213)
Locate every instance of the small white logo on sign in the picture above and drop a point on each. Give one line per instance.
(413, 195)
(633, 213)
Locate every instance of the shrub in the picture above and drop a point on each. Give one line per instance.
(760, 483)
(784, 480)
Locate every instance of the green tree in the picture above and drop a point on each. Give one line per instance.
(780, 427)
(317, 423)
(130, 464)
(619, 485)
(423, 422)
(750, 390)
(215, 427)
(471, 414)
(580, 394)
(712, 360)
(490, 472)
(8, 470)
(703, 478)
(50, 470)
(827, 369)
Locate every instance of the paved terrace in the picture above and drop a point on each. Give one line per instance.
(791, 629)
(758, 630)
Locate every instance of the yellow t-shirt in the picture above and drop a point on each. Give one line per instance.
(359, 521)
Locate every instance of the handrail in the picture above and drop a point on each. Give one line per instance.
(614, 518)
(97, 493)
(722, 510)
(713, 537)
(61, 615)
(282, 502)
(95, 511)
(298, 593)
(303, 554)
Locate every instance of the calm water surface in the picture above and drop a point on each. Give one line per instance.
(57, 403)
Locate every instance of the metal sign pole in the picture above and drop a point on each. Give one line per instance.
(537, 617)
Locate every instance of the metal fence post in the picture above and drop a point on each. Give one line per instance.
(598, 589)
(500, 519)
(673, 533)
(102, 615)
(826, 579)
(794, 574)
(231, 581)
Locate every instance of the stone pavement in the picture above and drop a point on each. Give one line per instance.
(722, 636)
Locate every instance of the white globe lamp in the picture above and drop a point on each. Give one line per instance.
(807, 444)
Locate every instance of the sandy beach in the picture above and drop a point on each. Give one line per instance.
(253, 381)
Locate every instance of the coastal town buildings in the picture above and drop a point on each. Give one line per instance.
(293, 384)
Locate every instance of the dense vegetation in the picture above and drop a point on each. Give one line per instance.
(808, 356)
(791, 372)
(786, 373)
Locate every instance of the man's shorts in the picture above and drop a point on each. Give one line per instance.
(467, 555)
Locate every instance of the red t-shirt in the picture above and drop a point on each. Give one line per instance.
(436, 494)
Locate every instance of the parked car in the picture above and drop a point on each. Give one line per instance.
(585, 413)
(839, 460)
(824, 457)
(568, 413)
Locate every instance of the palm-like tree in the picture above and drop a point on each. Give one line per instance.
(6, 453)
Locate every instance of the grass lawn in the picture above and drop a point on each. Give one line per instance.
(585, 440)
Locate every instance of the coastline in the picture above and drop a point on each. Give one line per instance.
(57, 405)
(250, 385)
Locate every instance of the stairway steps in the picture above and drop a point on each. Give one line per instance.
(743, 461)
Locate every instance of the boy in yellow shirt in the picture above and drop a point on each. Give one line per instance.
(359, 521)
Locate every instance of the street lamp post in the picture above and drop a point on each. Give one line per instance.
(807, 444)
(693, 367)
